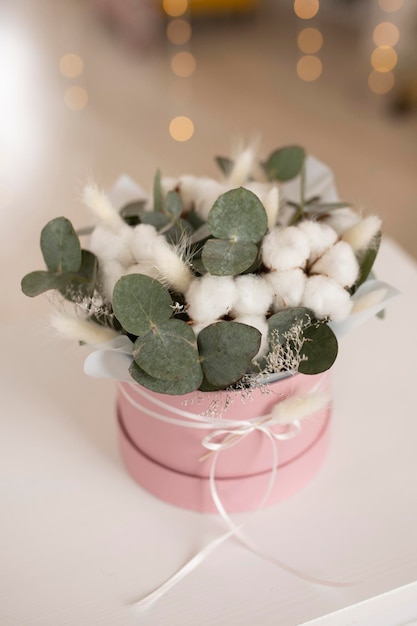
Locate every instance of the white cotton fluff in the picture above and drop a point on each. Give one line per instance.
(285, 248)
(320, 237)
(361, 235)
(338, 262)
(341, 219)
(297, 408)
(187, 188)
(112, 246)
(81, 329)
(288, 287)
(210, 297)
(242, 168)
(143, 242)
(101, 207)
(110, 272)
(145, 267)
(326, 298)
(369, 300)
(200, 193)
(254, 295)
(271, 205)
(259, 322)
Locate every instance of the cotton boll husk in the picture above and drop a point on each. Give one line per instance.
(108, 245)
(210, 297)
(173, 271)
(254, 295)
(361, 235)
(242, 168)
(110, 272)
(369, 300)
(288, 287)
(285, 248)
(81, 329)
(341, 219)
(320, 237)
(297, 408)
(143, 241)
(101, 207)
(326, 298)
(259, 322)
(338, 262)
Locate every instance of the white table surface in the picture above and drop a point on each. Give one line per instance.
(80, 541)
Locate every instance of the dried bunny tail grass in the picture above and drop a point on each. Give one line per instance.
(361, 236)
(271, 205)
(369, 300)
(173, 270)
(244, 163)
(297, 408)
(81, 329)
(100, 205)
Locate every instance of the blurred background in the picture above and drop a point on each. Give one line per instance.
(91, 89)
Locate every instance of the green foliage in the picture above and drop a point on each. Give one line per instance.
(228, 258)
(158, 196)
(35, 283)
(320, 348)
(284, 320)
(187, 384)
(225, 164)
(60, 246)
(285, 163)
(366, 261)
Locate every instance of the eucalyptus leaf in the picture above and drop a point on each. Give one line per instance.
(285, 163)
(35, 283)
(158, 220)
(82, 283)
(226, 351)
(320, 348)
(322, 209)
(158, 196)
(366, 261)
(180, 386)
(238, 215)
(168, 351)
(60, 246)
(225, 164)
(131, 212)
(140, 303)
(228, 258)
(173, 204)
(284, 320)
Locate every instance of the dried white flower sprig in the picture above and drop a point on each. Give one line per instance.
(215, 282)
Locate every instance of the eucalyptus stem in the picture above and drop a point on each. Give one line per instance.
(300, 211)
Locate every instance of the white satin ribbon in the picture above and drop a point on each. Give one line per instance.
(225, 433)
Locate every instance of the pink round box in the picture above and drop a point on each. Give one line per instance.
(161, 444)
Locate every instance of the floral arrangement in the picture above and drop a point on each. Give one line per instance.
(214, 283)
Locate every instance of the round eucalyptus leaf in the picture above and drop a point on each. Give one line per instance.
(187, 384)
(140, 303)
(228, 258)
(320, 348)
(284, 320)
(238, 215)
(168, 351)
(60, 246)
(173, 204)
(285, 163)
(226, 351)
(82, 283)
(38, 282)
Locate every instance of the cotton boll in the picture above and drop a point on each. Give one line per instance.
(242, 168)
(254, 295)
(143, 241)
(207, 192)
(326, 298)
(210, 297)
(110, 272)
(288, 287)
(100, 205)
(339, 263)
(187, 188)
(341, 219)
(285, 248)
(320, 237)
(108, 245)
(259, 322)
(361, 235)
(81, 329)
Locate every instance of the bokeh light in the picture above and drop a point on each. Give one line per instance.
(179, 32)
(306, 9)
(386, 34)
(71, 65)
(383, 59)
(310, 40)
(181, 128)
(380, 82)
(390, 6)
(309, 68)
(175, 8)
(76, 98)
(183, 64)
